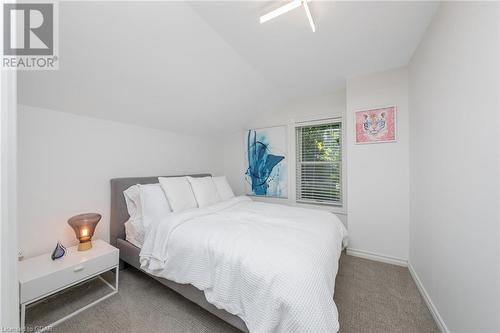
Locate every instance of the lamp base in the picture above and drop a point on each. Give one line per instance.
(85, 246)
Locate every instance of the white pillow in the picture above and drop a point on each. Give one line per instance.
(204, 191)
(154, 204)
(146, 205)
(179, 193)
(133, 201)
(223, 188)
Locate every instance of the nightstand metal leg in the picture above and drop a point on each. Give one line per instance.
(117, 269)
(115, 287)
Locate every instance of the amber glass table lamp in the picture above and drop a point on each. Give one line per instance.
(84, 226)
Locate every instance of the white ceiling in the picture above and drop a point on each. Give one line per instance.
(208, 67)
(351, 38)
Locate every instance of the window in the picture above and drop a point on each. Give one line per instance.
(319, 163)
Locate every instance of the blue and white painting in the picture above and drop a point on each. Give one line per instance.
(266, 172)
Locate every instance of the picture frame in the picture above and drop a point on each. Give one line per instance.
(266, 162)
(377, 125)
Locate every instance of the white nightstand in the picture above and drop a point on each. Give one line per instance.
(40, 277)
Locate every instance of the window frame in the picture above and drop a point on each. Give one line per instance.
(337, 206)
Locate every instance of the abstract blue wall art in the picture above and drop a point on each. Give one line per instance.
(266, 162)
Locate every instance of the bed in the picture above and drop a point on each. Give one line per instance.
(316, 308)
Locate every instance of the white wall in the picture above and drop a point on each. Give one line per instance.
(454, 229)
(66, 162)
(9, 291)
(318, 107)
(378, 174)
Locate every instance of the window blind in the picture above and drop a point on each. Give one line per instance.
(319, 163)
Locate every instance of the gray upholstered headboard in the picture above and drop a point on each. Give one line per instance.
(119, 214)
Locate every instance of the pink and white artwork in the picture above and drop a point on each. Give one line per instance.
(376, 125)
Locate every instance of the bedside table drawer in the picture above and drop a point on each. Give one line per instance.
(65, 276)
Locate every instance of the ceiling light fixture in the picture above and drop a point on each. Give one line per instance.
(309, 16)
(288, 7)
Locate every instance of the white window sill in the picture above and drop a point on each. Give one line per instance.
(288, 201)
(337, 209)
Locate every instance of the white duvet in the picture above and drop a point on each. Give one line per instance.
(274, 266)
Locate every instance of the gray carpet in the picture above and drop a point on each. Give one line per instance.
(371, 297)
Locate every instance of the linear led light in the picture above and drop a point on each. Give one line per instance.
(309, 16)
(281, 10)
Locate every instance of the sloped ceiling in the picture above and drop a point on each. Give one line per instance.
(207, 68)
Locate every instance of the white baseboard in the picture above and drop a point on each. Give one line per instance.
(377, 257)
(432, 308)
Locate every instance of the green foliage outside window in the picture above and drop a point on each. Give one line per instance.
(319, 163)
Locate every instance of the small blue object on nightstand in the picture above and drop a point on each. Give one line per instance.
(58, 252)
